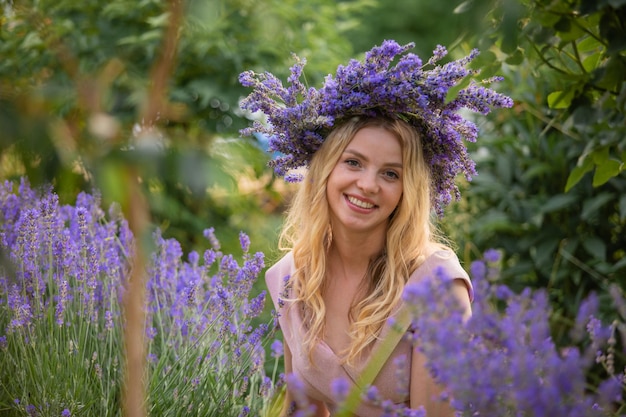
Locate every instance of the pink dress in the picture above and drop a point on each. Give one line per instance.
(318, 377)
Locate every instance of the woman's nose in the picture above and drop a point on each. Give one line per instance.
(368, 182)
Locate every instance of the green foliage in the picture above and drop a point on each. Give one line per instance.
(550, 189)
(569, 242)
(427, 23)
(580, 46)
(78, 80)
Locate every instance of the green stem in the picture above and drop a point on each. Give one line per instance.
(379, 357)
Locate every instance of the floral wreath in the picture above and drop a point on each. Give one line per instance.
(300, 118)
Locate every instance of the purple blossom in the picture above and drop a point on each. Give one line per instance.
(340, 389)
(492, 255)
(265, 389)
(299, 119)
(478, 269)
(210, 235)
(244, 241)
(296, 387)
(277, 349)
(61, 301)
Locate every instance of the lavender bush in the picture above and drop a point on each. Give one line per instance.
(503, 361)
(61, 285)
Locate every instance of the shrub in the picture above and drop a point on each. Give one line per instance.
(61, 322)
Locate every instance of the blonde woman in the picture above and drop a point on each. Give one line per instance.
(358, 230)
(381, 147)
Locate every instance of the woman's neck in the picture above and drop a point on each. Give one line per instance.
(350, 256)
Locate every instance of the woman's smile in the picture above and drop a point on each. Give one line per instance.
(360, 203)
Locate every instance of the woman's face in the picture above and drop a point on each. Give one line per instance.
(365, 186)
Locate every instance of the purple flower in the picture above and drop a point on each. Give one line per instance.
(31, 410)
(66, 413)
(491, 255)
(277, 349)
(244, 241)
(210, 235)
(611, 391)
(339, 388)
(372, 395)
(478, 269)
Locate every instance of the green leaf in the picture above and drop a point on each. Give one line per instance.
(588, 44)
(571, 33)
(578, 173)
(611, 75)
(545, 18)
(595, 247)
(32, 40)
(545, 253)
(600, 155)
(611, 28)
(560, 99)
(516, 58)
(112, 181)
(592, 61)
(606, 170)
(592, 205)
(159, 21)
(558, 202)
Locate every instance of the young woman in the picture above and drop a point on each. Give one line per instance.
(358, 230)
(381, 146)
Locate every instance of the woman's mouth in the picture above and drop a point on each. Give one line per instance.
(360, 203)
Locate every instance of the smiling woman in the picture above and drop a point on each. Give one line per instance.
(382, 147)
(358, 231)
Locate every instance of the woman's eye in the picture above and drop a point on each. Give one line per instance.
(352, 162)
(392, 175)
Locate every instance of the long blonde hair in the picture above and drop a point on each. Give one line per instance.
(307, 233)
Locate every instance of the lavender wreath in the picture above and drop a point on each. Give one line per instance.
(300, 118)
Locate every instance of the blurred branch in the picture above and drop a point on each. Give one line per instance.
(138, 215)
(156, 104)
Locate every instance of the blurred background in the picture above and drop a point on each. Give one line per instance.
(94, 93)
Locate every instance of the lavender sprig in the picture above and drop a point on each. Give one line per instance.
(298, 119)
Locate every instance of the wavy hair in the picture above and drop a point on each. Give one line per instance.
(410, 237)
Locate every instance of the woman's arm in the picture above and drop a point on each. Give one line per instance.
(425, 392)
(289, 409)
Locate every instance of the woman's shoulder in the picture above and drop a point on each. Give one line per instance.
(445, 263)
(284, 266)
(277, 274)
(437, 258)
